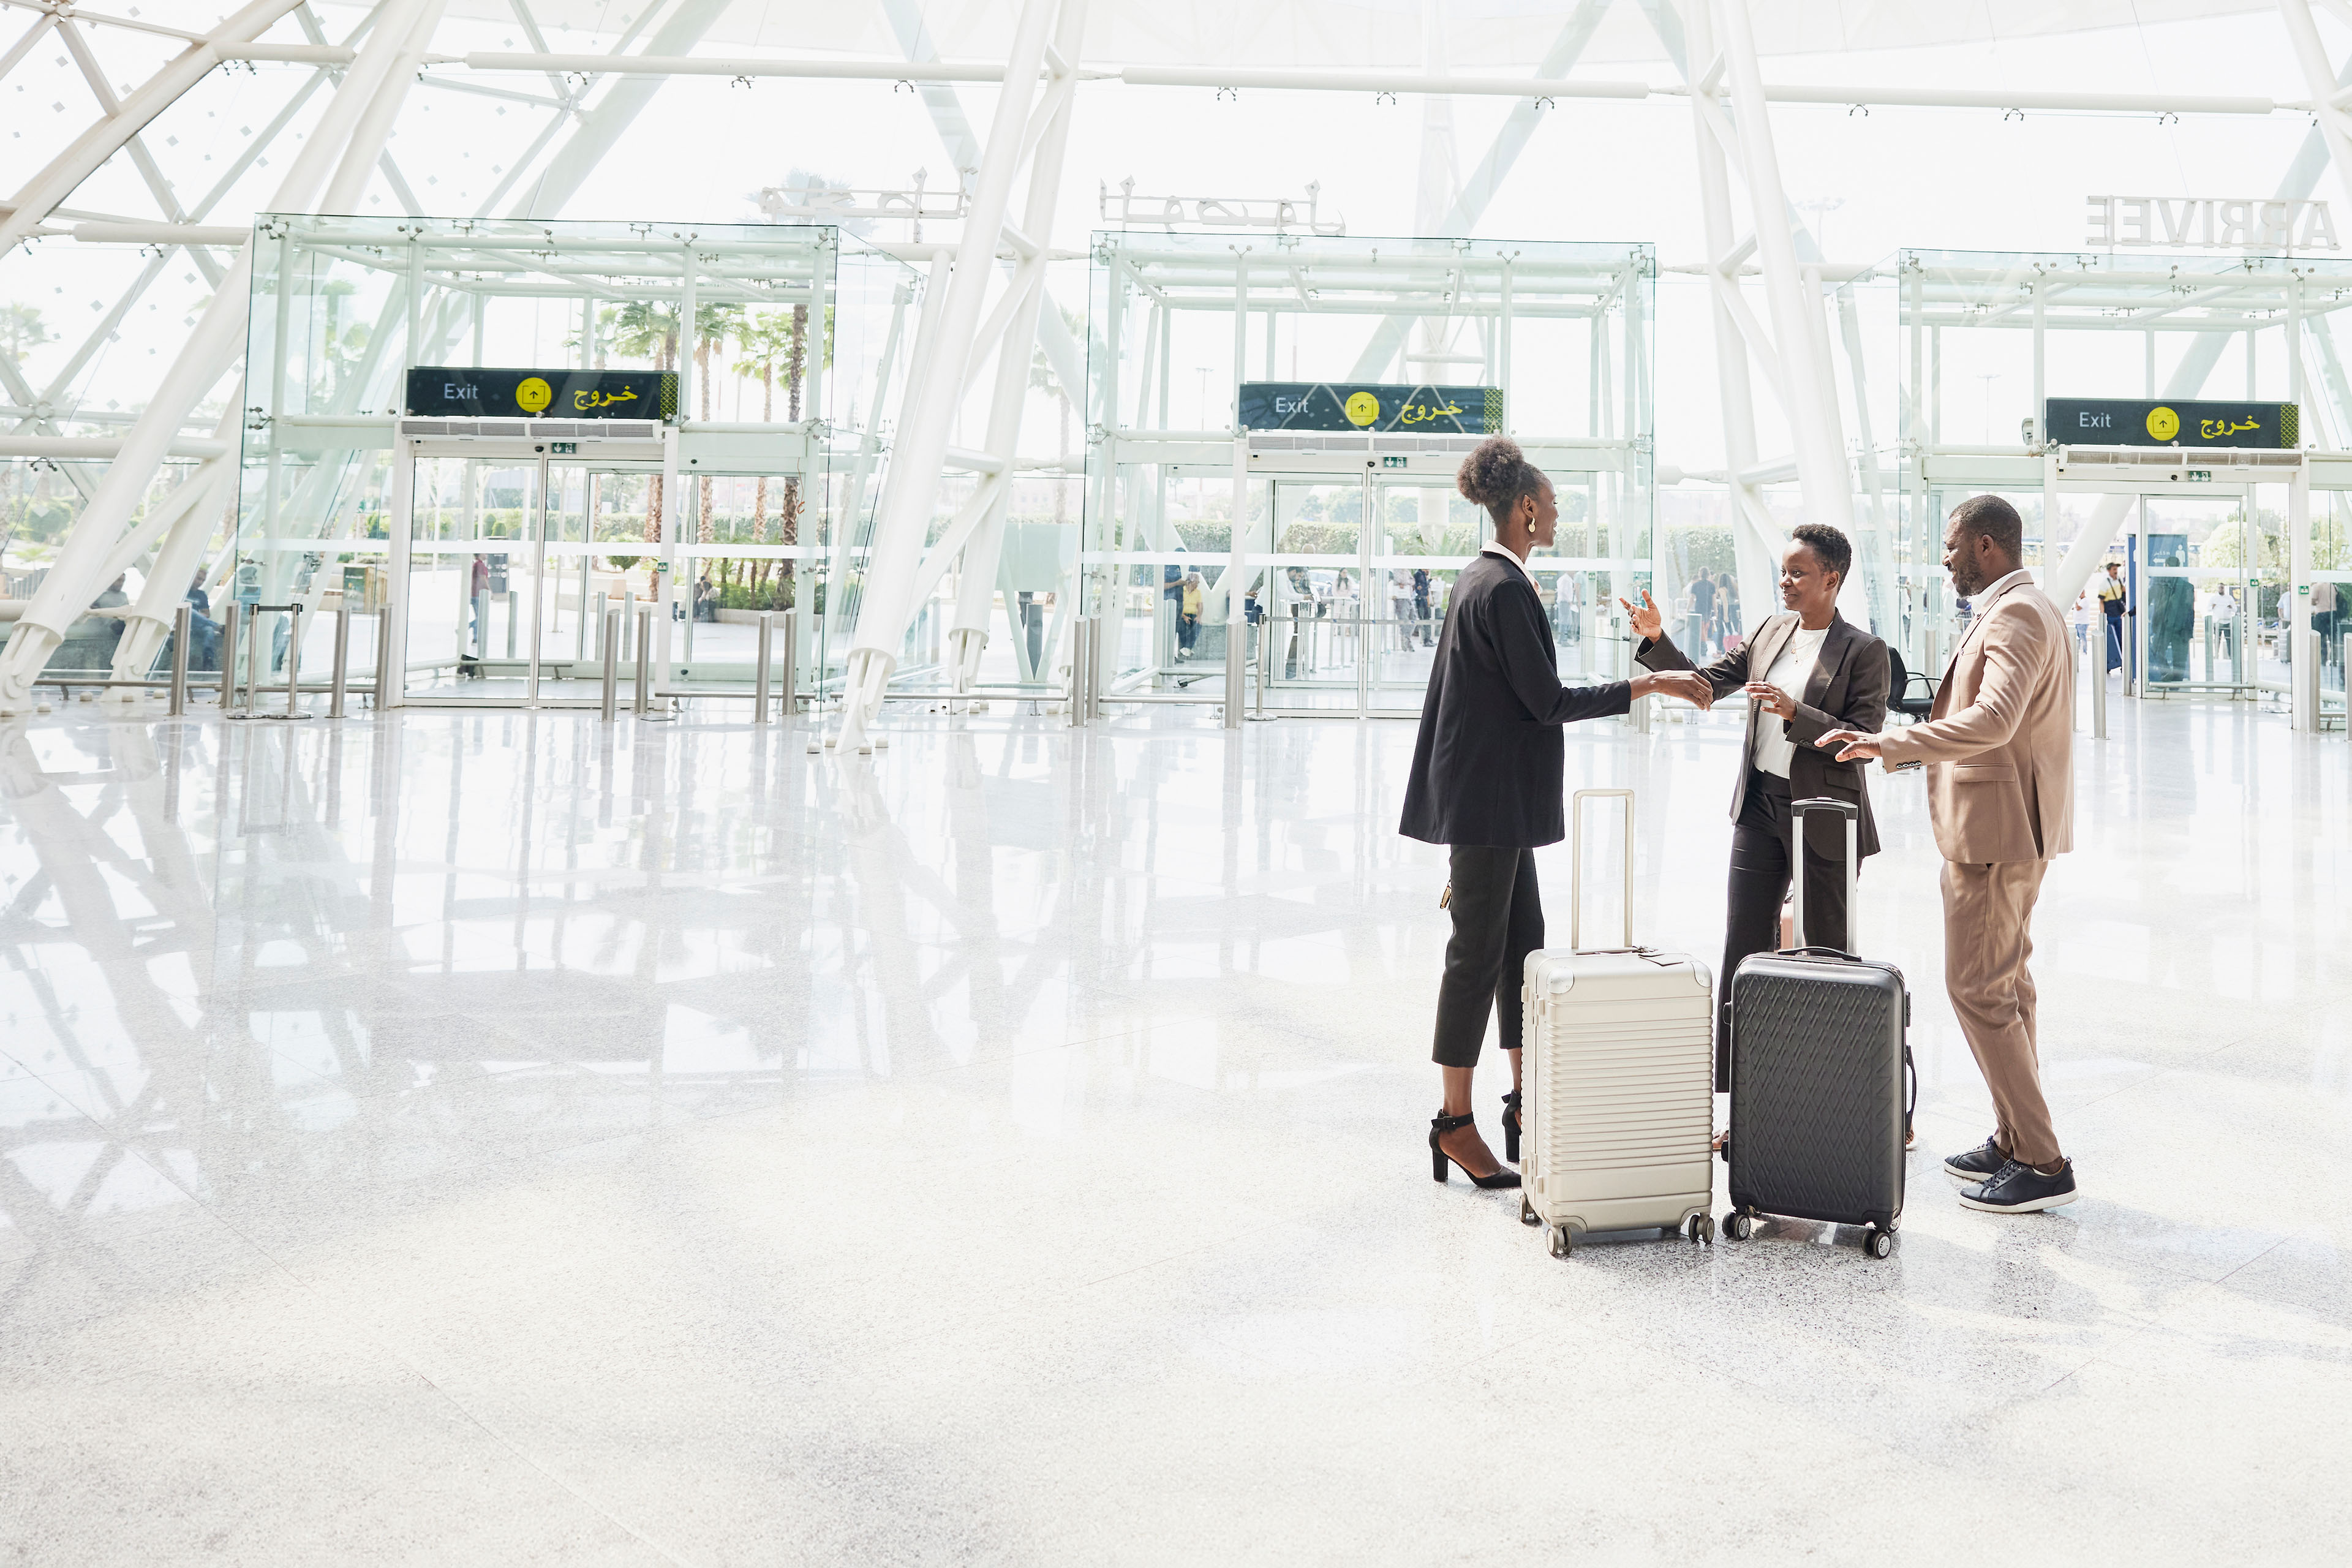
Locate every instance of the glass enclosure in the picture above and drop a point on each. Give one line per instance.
(494, 546)
(2207, 543)
(1282, 415)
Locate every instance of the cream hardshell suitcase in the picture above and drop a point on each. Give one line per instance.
(1619, 1058)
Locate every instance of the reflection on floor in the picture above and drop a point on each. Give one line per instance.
(481, 1138)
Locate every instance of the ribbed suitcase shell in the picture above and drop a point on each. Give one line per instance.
(1817, 1088)
(1619, 1103)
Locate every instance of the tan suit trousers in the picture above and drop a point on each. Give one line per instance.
(1987, 938)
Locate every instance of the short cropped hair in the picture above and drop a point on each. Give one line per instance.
(1830, 546)
(1989, 517)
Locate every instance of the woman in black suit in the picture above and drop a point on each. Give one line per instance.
(1806, 671)
(1488, 773)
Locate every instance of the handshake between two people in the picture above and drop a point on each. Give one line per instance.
(1649, 624)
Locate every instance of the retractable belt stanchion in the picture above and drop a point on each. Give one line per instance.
(760, 675)
(293, 664)
(338, 688)
(1081, 641)
(232, 622)
(238, 703)
(512, 626)
(610, 633)
(180, 627)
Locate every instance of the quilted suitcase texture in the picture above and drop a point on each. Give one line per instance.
(1617, 1058)
(1817, 1081)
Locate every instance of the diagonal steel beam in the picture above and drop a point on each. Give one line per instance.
(41, 196)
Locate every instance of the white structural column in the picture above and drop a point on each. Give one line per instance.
(1799, 334)
(1756, 539)
(910, 490)
(1026, 291)
(211, 351)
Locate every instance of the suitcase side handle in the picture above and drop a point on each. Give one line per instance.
(1576, 864)
(1797, 813)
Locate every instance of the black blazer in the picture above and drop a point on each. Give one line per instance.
(1489, 763)
(1847, 690)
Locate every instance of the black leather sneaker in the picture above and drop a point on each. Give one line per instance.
(1977, 1164)
(2021, 1189)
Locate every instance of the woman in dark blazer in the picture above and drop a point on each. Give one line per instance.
(1806, 671)
(1488, 768)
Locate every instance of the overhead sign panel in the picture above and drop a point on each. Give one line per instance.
(2143, 421)
(436, 391)
(1370, 406)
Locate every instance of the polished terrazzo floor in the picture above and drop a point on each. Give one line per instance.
(487, 1138)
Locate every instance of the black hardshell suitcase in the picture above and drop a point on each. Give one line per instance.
(1819, 1115)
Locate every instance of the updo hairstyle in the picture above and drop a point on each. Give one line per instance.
(1496, 475)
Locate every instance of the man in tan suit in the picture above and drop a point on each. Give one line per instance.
(1999, 752)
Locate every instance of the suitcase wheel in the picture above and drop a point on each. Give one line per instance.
(1701, 1228)
(1878, 1243)
(1561, 1242)
(1737, 1225)
(1528, 1214)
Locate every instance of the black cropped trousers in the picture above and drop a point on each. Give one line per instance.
(1498, 921)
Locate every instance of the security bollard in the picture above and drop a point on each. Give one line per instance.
(610, 633)
(225, 662)
(338, 687)
(791, 661)
(382, 658)
(639, 698)
(180, 629)
(760, 677)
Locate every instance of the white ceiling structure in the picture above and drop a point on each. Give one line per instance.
(141, 140)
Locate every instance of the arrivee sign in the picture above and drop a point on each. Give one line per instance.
(2268, 226)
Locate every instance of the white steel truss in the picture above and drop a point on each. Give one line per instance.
(115, 460)
(899, 572)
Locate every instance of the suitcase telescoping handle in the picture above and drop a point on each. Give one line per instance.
(1576, 862)
(1853, 814)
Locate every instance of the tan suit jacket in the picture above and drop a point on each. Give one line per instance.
(1999, 743)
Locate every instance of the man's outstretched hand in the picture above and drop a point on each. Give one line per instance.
(1688, 684)
(1853, 746)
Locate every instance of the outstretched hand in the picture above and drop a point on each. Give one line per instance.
(1853, 746)
(1688, 684)
(1649, 623)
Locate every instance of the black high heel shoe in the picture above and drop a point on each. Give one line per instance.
(1439, 1158)
(1511, 1127)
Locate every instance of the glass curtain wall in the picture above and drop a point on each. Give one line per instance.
(1281, 416)
(2213, 572)
(778, 337)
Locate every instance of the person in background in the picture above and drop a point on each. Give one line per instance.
(1808, 670)
(1488, 770)
(2111, 602)
(477, 590)
(1421, 602)
(1188, 614)
(1727, 623)
(197, 596)
(1702, 591)
(1999, 750)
